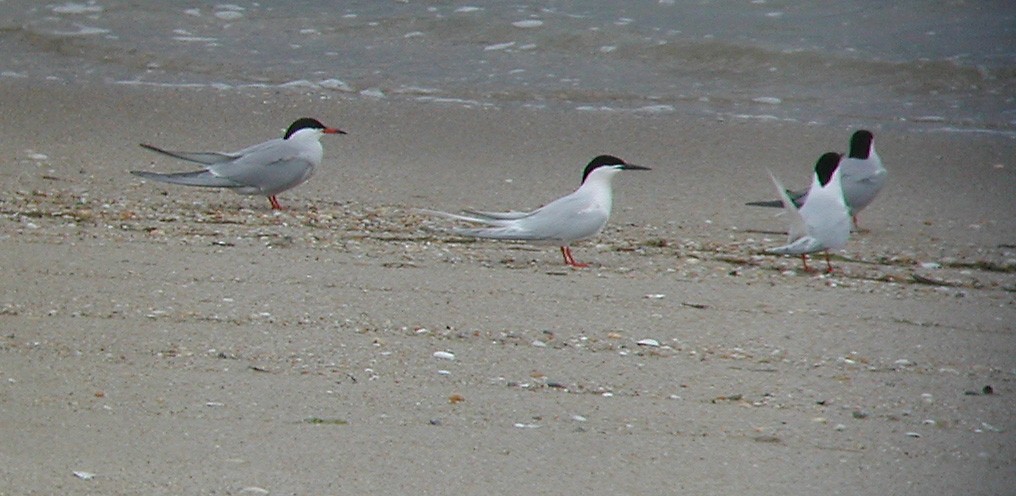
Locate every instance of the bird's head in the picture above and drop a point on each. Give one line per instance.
(608, 164)
(308, 123)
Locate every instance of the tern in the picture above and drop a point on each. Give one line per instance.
(861, 174)
(823, 223)
(265, 169)
(577, 216)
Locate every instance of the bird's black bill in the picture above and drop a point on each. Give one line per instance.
(634, 167)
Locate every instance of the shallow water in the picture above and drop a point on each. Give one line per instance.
(947, 66)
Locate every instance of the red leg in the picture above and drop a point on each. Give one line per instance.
(828, 263)
(804, 260)
(275, 203)
(567, 255)
(569, 259)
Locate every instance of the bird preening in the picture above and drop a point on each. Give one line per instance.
(265, 169)
(823, 222)
(822, 216)
(576, 216)
(862, 177)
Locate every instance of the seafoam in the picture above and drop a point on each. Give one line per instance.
(912, 64)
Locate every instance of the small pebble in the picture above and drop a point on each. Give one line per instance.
(649, 342)
(254, 490)
(444, 355)
(988, 427)
(84, 475)
(913, 434)
(530, 23)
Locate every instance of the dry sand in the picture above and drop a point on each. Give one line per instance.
(167, 340)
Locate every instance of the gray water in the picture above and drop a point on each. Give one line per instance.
(924, 65)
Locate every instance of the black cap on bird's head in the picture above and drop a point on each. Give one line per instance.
(310, 123)
(860, 144)
(826, 166)
(609, 161)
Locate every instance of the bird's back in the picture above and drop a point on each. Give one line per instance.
(862, 180)
(273, 166)
(826, 215)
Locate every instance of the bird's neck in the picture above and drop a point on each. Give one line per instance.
(873, 156)
(598, 189)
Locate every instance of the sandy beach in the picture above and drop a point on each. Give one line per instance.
(169, 340)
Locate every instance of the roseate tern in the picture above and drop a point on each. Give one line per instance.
(579, 215)
(265, 169)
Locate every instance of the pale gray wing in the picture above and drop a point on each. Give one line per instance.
(857, 170)
(271, 167)
(862, 180)
(566, 219)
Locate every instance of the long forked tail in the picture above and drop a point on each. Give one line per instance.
(767, 203)
(479, 219)
(205, 158)
(798, 198)
(510, 215)
(498, 228)
(197, 178)
(800, 246)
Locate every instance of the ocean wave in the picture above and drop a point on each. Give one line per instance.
(653, 59)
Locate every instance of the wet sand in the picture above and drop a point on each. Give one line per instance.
(168, 340)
